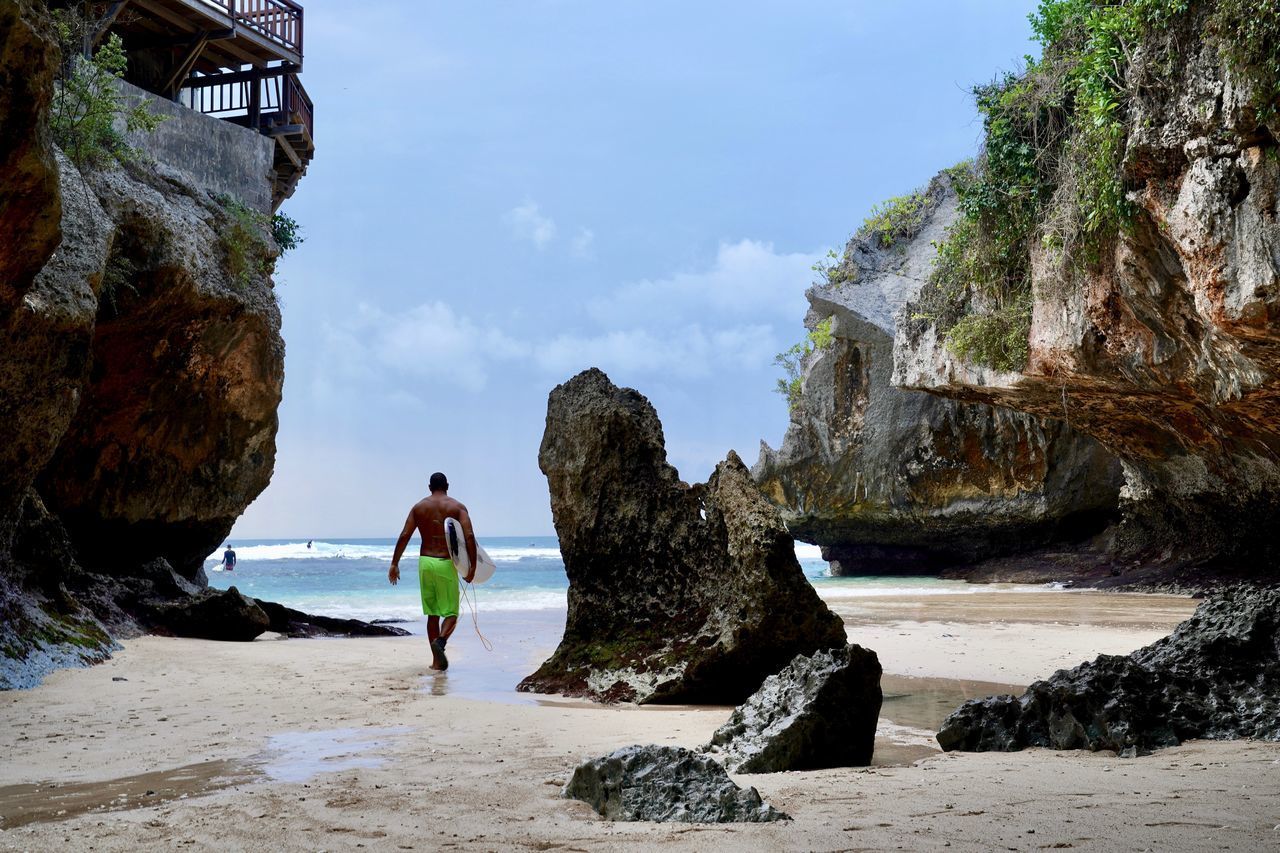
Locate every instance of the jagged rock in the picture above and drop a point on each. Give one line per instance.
(1168, 349)
(175, 432)
(888, 480)
(1216, 676)
(665, 784)
(677, 593)
(295, 623)
(820, 711)
(29, 197)
(212, 615)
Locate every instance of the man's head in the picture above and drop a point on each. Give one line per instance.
(439, 483)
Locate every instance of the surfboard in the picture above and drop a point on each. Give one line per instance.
(485, 567)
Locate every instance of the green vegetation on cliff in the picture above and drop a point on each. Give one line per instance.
(1051, 174)
(792, 361)
(87, 104)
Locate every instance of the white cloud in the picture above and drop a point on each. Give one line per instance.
(528, 223)
(688, 352)
(580, 246)
(747, 279)
(429, 340)
(690, 325)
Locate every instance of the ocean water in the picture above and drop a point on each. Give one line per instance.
(348, 578)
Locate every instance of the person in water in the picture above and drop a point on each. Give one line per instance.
(229, 559)
(436, 574)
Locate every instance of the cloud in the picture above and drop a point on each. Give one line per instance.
(687, 352)
(580, 246)
(528, 223)
(687, 326)
(427, 341)
(747, 279)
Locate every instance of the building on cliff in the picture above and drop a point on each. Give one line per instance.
(236, 60)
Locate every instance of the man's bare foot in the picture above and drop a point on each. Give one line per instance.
(437, 652)
(435, 657)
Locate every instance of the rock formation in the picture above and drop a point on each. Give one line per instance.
(1216, 676)
(821, 711)
(677, 593)
(890, 480)
(1167, 349)
(140, 370)
(665, 784)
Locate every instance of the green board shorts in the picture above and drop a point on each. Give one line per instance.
(438, 581)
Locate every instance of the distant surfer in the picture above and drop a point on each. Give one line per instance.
(229, 559)
(437, 577)
(309, 544)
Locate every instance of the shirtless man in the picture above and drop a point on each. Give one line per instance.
(436, 574)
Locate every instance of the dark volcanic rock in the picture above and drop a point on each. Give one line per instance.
(213, 615)
(677, 593)
(665, 784)
(887, 479)
(295, 623)
(1216, 676)
(820, 711)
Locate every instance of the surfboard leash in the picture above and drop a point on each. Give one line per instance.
(469, 597)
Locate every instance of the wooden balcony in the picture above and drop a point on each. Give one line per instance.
(237, 60)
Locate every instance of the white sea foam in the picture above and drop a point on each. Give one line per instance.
(368, 608)
(364, 551)
(384, 552)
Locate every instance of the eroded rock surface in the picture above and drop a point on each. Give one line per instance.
(665, 784)
(677, 593)
(893, 480)
(1216, 676)
(1168, 351)
(29, 196)
(820, 711)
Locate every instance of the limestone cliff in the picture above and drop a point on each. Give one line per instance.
(1166, 347)
(894, 480)
(677, 593)
(140, 370)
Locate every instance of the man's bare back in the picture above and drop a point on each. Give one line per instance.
(428, 516)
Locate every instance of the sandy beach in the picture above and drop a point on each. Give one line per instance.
(348, 744)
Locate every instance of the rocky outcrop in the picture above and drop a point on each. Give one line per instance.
(140, 371)
(212, 615)
(665, 784)
(150, 468)
(1216, 676)
(1168, 349)
(677, 593)
(892, 480)
(29, 197)
(295, 623)
(821, 711)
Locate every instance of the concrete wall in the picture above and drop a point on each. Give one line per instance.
(216, 155)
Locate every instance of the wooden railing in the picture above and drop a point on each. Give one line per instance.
(280, 98)
(296, 104)
(278, 20)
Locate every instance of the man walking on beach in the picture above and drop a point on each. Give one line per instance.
(436, 574)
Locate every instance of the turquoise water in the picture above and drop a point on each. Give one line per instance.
(348, 578)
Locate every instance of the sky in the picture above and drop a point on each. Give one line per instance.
(505, 194)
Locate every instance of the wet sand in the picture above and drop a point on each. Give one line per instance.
(347, 744)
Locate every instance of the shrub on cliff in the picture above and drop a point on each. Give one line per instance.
(792, 361)
(1051, 170)
(87, 103)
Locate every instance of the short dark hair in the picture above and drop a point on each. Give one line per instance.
(439, 482)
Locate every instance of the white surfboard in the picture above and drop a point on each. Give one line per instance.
(457, 542)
